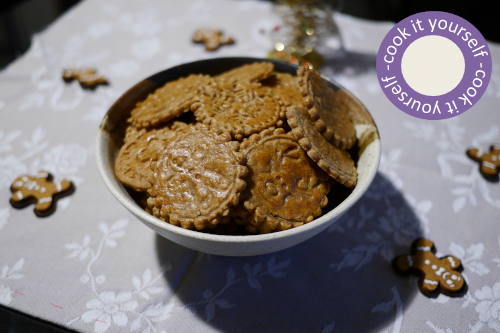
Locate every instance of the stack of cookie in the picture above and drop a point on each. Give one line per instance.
(249, 147)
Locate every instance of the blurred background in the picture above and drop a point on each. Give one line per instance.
(19, 19)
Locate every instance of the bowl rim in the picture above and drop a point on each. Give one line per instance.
(120, 193)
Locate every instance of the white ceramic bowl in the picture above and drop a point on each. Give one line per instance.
(110, 136)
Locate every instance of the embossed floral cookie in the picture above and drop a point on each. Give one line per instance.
(197, 179)
(240, 109)
(330, 115)
(285, 188)
(167, 102)
(140, 148)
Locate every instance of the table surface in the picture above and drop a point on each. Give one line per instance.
(92, 267)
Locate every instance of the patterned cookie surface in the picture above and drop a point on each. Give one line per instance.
(40, 190)
(141, 147)
(198, 178)
(330, 115)
(241, 110)
(285, 86)
(284, 187)
(167, 102)
(253, 72)
(337, 162)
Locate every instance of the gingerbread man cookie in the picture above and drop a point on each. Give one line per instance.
(39, 190)
(436, 274)
(212, 38)
(87, 77)
(490, 162)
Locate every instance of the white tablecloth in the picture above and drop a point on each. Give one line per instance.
(91, 266)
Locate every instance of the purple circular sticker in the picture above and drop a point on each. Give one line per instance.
(445, 103)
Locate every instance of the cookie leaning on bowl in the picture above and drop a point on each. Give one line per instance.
(326, 110)
(335, 161)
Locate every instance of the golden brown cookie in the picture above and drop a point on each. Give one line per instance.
(285, 188)
(436, 274)
(140, 148)
(198, 178)
(87, 77)
(40, 190)
(335, 161)
(330, 115)
(240, 110)
(253, 72)
(490, 162)
(285, 87)
(167, 102)
(212, 38)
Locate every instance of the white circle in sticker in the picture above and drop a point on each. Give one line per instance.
(433, 65)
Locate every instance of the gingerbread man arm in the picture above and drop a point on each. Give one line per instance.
(475, 154)
(454, 262)
(404, 263)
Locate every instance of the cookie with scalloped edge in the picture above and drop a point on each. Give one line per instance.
(198, 178)
(167, 102)
(140, 148)
(240, 109)
(285, 188)
(329, 113)
(253, 72)
(335, 161)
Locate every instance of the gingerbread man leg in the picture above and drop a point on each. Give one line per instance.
(488, 169)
